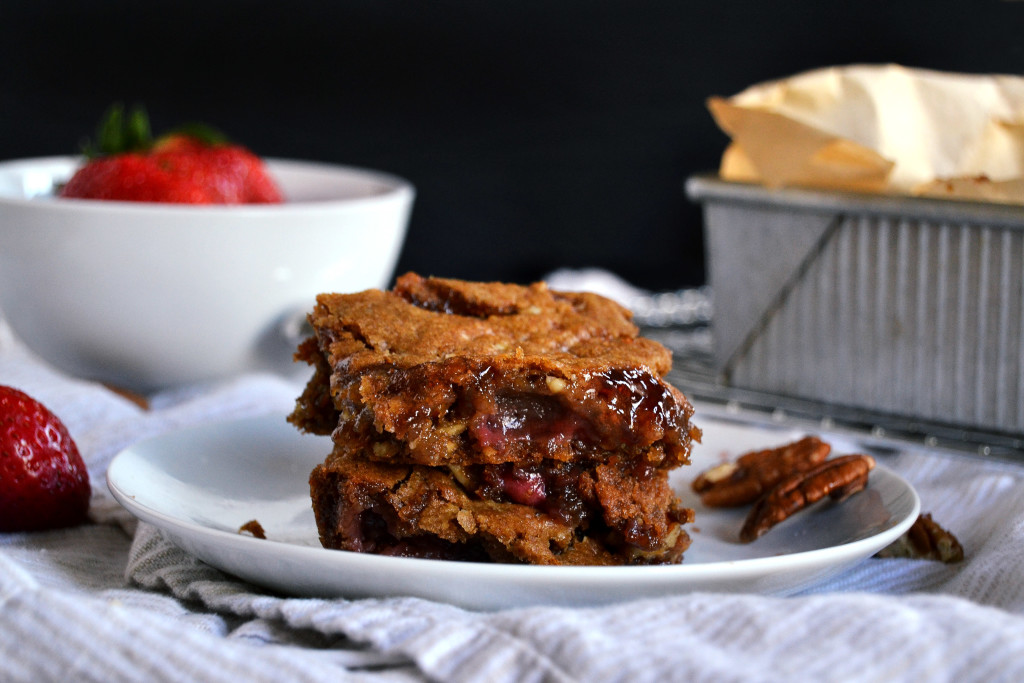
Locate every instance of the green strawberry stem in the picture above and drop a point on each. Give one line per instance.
(119, 132)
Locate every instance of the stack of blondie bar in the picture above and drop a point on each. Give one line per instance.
(493, 422)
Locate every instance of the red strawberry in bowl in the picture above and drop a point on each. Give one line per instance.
(43, 481)
(192, 165)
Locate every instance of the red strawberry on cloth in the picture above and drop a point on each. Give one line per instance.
(192, 165)
(43, 481)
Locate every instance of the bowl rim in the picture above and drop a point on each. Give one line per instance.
(394, 187)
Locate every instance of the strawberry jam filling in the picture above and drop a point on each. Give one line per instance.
(605, 412)
(529, 418)
(526, 488)
(551, 487)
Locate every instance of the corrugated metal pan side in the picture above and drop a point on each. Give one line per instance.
(922, 318)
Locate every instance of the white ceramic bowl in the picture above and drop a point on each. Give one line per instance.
(150, 296)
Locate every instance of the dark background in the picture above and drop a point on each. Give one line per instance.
(539, 133)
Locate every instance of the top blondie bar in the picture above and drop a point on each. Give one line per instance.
(447, 372)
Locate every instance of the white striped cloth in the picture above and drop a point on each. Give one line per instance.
(114, 601)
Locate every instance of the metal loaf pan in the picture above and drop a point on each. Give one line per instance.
(910, 307)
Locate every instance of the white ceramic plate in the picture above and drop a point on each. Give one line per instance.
(200, 485)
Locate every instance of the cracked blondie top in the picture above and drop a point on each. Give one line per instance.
(533, 403)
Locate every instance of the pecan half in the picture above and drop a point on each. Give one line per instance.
(737, 483)
(838, 478)
(925, 540)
